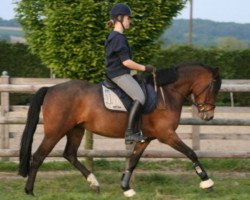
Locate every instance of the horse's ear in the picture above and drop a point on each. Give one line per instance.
(216, 70)
(217, 79)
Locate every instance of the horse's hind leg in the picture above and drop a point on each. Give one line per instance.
(74, 138)
(133, 161)
(174, 141)
(38, 157)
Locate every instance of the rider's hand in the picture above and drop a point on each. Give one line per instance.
(150, 68)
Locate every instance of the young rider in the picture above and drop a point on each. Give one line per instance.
(119, 64)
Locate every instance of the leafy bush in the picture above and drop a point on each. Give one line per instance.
(17, 60)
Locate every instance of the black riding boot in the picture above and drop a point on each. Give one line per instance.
(131, 135)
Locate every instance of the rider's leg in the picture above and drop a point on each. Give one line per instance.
(133, 132)
(128, 84)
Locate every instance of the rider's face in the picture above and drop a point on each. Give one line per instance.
(126, 22)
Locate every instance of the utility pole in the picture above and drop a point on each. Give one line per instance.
(190, 35)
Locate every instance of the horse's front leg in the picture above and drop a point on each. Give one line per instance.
(174, 141)
(133, 161)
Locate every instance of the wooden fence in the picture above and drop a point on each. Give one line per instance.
(30, 85)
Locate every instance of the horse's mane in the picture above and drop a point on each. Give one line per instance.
(164, 76)
(169, 75)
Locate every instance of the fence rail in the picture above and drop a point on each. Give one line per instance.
(30, 85)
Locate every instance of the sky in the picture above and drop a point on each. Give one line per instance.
(219, 10)
(215, 10)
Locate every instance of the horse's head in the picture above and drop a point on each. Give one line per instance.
(204, 91)
(203, 82)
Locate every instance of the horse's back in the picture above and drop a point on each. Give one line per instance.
(72, 88)
(67, 102)
(72, 85)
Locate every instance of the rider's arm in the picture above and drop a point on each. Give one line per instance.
(133, 65)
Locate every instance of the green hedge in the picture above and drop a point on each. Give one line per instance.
(19, 62)
(232, 65)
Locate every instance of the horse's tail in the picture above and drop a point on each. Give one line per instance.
(28, 133)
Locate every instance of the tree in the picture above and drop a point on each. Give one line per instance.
(69, 36)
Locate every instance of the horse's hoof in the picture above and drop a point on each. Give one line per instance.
(28, 192)
(95, 188)
(129, 193)
(206, 184)
(211, 189)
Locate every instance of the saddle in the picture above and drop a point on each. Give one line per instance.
(116, 99)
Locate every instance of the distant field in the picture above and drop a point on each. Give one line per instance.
(11, 28)
(7, 32)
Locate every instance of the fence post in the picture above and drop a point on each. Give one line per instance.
(5, 107)
(195, 132)
(232, 99)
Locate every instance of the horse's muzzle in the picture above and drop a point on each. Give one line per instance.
(209, 115)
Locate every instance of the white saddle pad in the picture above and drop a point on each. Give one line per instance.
(111, 100)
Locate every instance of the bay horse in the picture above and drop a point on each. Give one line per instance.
(71, 107)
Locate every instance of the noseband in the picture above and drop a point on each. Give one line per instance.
(204, 106)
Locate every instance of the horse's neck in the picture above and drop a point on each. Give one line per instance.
(171, 98)
(177, 92)
(183, 88)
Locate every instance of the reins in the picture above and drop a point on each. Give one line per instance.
(161, 89)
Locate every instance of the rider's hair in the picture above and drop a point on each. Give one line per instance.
(111, 23)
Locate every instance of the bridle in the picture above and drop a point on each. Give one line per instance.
(204, 106)
(201, 107)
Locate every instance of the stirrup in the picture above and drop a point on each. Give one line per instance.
(135, 137)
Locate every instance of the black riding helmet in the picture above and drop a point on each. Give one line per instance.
(120, 9)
